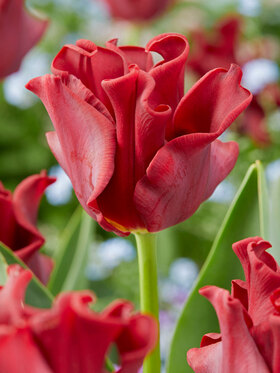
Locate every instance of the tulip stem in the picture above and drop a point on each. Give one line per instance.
(148, 281)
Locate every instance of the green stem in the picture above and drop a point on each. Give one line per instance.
(147, 261)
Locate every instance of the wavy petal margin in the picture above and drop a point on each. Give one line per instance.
(186, 170)
(84, 142)
(239, 351)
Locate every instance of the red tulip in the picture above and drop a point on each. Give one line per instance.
(253, 123)
(19, 32)
(222, 51)
(249, 318)
(218, 52)
(18, 351)
(141, 156)
(18, 223)
(136, 10)
(69, 337)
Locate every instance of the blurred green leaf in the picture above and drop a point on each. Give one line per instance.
(37, 294)
(275, 218)
(263, 202)
(109, 365)
(3, 270)
(245, 217)
(71, 256)
(165, 246)
(63, 256)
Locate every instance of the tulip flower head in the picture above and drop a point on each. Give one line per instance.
(69, 337)
(223, 49)
(220, 51)
(19, 32)
(141, 155)
(135, 10)
(249, 318)
(18, 222)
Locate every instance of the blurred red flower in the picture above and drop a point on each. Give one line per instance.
(19, 32)
(249, 318)
(18, 223)
(135, 10)
(221, 50)
(140, 155)
(69, 337)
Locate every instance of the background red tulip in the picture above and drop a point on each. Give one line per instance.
(18, 222)
(223, 49)
(69, 337)
(19, 32)
(249, 318)
(141, 156)
(207, 54)
(135, 9)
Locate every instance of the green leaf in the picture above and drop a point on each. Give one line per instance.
(72, 254)
(246, 217)
(109, 365)
(275, 218)
(166, 240)
(264, 211)
(3, 270)
(64, 254)
(37, 294)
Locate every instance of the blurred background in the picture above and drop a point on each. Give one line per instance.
(220, 32)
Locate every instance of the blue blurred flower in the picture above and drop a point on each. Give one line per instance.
(107, 256)
(174, 291)
(249, 8)
(116, 250)
(35, 63)
(224, 192)
(273, 170)
(96, 271)
(167, 324)
(60, 192)
(175, 288)
(183, 271)
(258, 73)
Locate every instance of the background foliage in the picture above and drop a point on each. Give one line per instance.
(24, 151)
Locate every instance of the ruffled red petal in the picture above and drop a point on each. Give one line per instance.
(262, 276)
(19, 213)
(19, 352)
(239, 351)
(84, 142)
(75, 339)
(206, 359)
(187, 169)
(140, 131)
(90, 64)
(169, 73)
